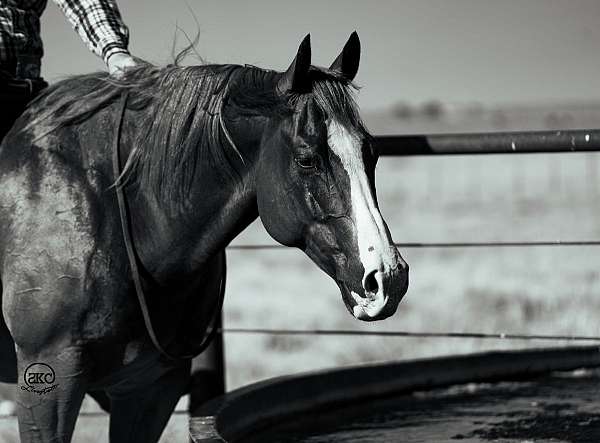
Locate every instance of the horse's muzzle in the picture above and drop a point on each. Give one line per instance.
(383, 291)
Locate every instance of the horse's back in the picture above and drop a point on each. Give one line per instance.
(64, 128)
(42, 179)
(49, 168)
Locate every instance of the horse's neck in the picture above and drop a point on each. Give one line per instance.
(170, 244)
(219, 208)
(226, 217)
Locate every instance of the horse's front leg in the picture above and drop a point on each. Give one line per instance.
(43, 316)
(52, 384)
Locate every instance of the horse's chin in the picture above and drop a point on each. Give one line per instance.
(368, 306)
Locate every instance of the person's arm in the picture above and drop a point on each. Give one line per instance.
(100, 26)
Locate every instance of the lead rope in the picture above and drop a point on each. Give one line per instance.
(133, 261)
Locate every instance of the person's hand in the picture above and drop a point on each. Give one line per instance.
(119, 62)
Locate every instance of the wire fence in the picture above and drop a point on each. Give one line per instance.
(411, 334)
(570, 141)
(508, 244)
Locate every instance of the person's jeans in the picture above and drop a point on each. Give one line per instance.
(14, 96)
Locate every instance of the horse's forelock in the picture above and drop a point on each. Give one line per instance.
(333, 94)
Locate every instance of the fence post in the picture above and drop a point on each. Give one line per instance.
(208, 373)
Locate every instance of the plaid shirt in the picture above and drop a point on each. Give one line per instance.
(98, 23)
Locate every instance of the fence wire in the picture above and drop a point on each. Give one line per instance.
(485, 244)
(584, 140)
(411, 334)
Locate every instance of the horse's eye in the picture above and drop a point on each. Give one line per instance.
(306, 162)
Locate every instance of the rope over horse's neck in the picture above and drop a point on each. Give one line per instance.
(133, 257)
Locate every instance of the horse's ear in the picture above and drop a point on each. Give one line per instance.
(347, 62)
(296, 77)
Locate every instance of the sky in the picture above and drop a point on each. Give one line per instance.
(455, 51)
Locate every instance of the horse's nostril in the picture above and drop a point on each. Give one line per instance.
(370, 284)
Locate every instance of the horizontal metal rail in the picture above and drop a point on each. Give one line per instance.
(579, 140)
(410, 334)
(510, 244)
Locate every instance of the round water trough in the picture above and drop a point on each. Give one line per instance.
(343, 403)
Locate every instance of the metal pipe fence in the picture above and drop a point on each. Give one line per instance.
(578, 140)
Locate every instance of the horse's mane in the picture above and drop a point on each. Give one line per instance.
(184, 123)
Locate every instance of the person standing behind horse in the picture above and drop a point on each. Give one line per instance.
(98, 23)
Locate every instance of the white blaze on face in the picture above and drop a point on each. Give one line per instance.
(374, 247)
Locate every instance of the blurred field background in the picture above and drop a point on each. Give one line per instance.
(543, 290)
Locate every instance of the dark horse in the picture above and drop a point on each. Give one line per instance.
(206, 150)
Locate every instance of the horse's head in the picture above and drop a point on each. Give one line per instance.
(315, 185)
